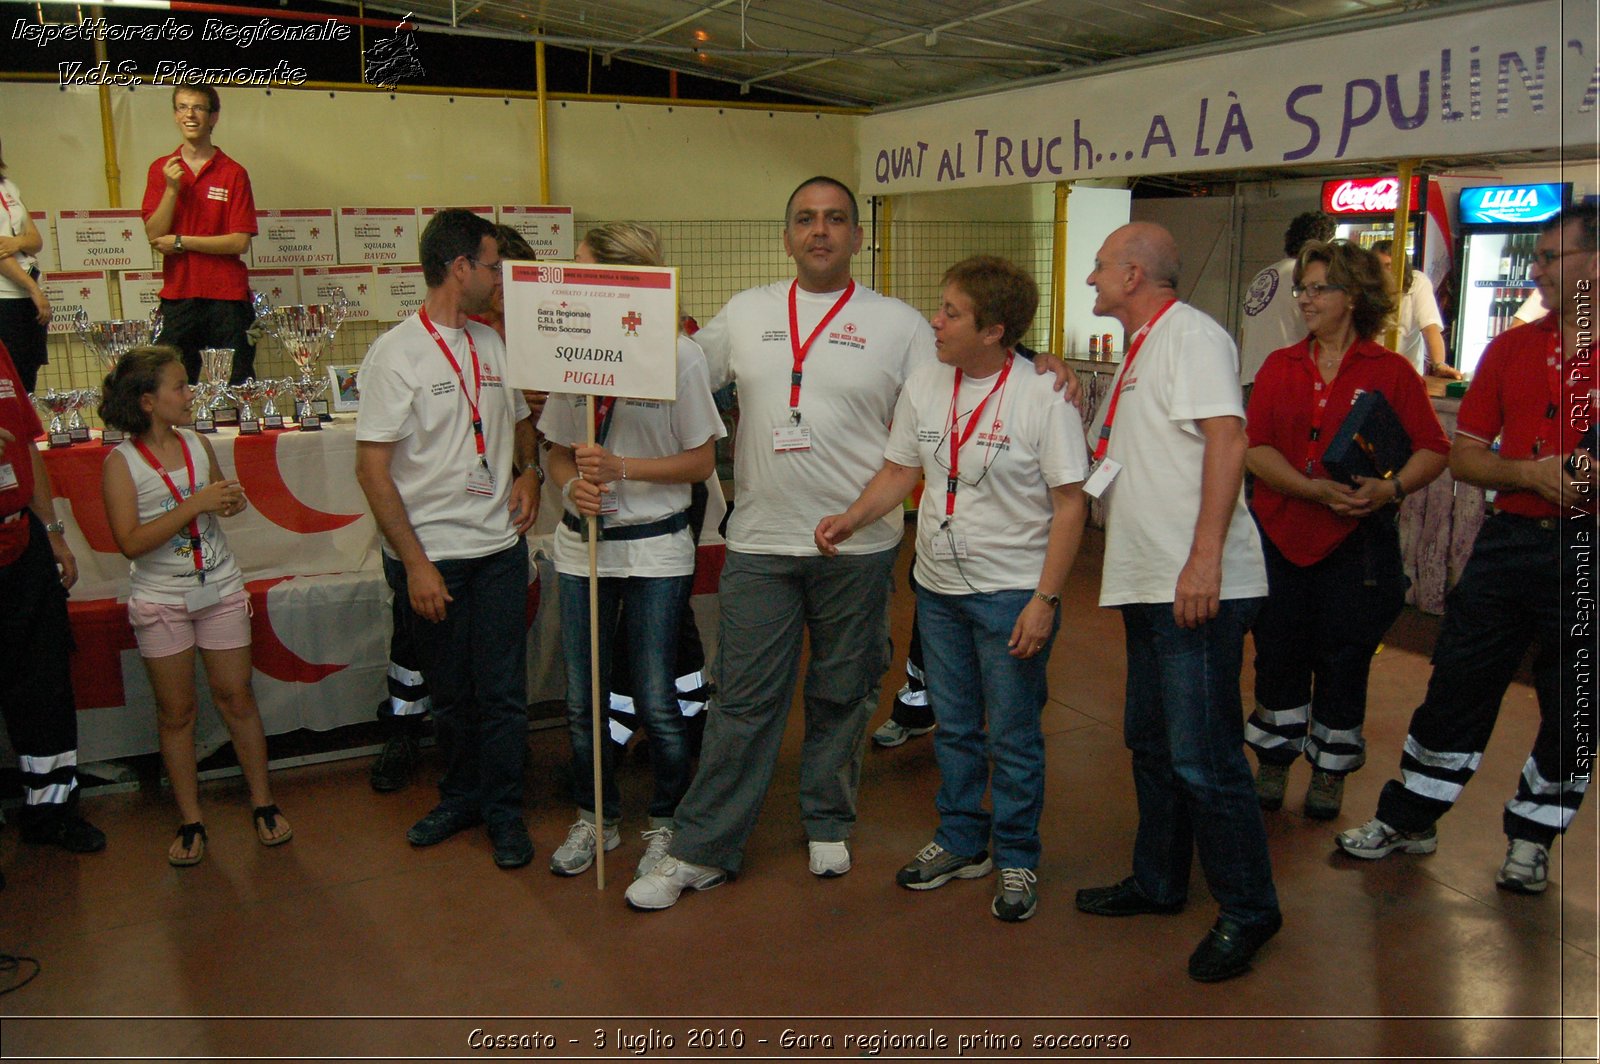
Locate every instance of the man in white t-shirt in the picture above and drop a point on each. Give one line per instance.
(1183, 563)
(1420, 325)
(440, 440)
(1271, 315)
(819, 361)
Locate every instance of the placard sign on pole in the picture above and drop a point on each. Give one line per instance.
(73, 289)
(592, 330)
(548, 230)
(110, 239)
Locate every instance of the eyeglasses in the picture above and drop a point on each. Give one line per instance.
(191, 109)
(1316, 291)
(1547, 259)
(486, 265)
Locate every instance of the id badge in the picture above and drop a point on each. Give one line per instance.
(791, 438)
(203, 597)
(949, 546)
(1101, 478)
(8, 476)
(608, 503)
(480, 481)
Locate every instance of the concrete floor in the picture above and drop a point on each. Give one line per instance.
(348, 942)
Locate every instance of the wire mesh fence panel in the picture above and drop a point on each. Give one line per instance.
(918, 253)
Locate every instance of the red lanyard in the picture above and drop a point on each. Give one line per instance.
(1321, 392)
(801, 350)
(958, 441)
(1104, 442)
(188, 464)
(602, 416)
(477, 377)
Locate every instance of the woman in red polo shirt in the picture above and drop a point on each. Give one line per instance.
(1332, 549)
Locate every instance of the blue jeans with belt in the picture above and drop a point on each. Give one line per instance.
(476, 662)
(1184, 723)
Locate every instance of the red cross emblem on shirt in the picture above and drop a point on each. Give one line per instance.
(631, 321)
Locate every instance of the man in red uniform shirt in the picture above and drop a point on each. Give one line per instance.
(200, 214)
(36, 568)
(1530, 580)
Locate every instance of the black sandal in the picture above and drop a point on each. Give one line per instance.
(188, 835)
(266, 818)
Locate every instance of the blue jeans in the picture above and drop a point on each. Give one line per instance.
(650, 606)
(476, 662)
(972, 678)
(1184, 723)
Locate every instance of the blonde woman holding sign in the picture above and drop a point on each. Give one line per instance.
(636, 480)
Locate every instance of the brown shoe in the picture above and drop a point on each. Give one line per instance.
(1324, 796)
(1271, 780)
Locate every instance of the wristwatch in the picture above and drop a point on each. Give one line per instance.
(56, 526)
(177, 242)
(1053, 601)
(1399, 491)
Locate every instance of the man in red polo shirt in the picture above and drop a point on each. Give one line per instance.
(1530, 580)
(36, 568)
(199, 213)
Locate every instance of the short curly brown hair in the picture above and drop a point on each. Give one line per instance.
(1360, 273)
(1002, 293)
(136, 375)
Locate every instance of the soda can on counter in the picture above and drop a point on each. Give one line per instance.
(1094, 346)
(1108, 347)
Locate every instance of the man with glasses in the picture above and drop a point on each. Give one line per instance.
(440, 442)
(1528, 580)
(1183, 564)
(200, 214)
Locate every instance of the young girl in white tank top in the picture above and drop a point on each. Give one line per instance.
(163, 495)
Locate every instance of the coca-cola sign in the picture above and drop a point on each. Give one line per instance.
(1366, 195)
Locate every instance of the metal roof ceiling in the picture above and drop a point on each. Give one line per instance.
(877, 53)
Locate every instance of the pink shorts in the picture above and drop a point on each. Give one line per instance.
(163, 629)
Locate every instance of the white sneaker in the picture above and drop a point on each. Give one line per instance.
(892, 733)
(1526, 869)
(829, 859)
(659, 888)
(657, 840)
(575, 855)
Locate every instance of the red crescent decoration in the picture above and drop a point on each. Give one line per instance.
(75, 476)
(255, 463)
(100, 633)
(267, 652)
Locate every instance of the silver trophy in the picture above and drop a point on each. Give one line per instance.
(245, 393)
(77, 399)
(306, 391)
(271, 388)
(304, 330)
(57, 405)
(216, 363)
(111, 340)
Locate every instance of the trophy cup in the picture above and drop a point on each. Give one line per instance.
(271, 388)
(77, 399)
(245, 393)
(307, 390)
(56, 404)
(305, 331)
(215, 365)
(111, 340)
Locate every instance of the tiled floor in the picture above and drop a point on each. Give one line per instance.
(350, 943)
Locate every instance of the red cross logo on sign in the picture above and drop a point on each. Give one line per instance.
(127, 234)
(631, 322)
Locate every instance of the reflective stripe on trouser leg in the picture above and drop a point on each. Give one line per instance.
(49, 780)
(1436, 775)
(1338, 750)
(693, 693)
(1548, 803)
(622, 718)
(1281, 731)
(408, 692)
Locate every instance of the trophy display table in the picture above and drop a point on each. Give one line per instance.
(309, 549)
